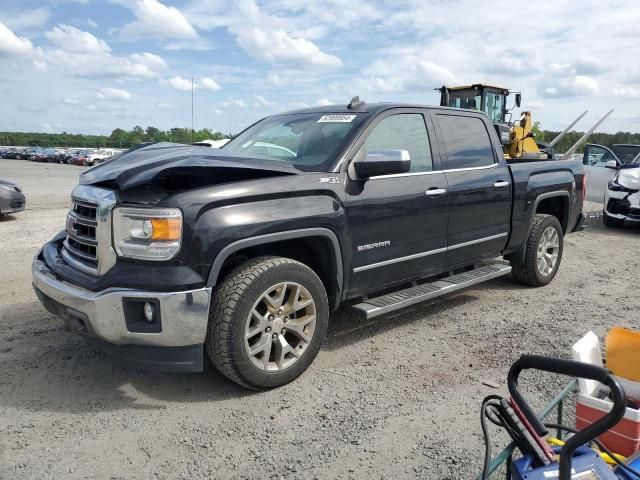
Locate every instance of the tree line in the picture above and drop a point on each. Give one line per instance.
(572, 137)
(119, 138)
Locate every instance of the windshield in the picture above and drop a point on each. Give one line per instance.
(308, 141)
(465, 99)
(627, 153)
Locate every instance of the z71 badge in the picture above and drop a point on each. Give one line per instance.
(369, 246)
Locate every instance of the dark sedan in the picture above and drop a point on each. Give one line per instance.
(11, 198)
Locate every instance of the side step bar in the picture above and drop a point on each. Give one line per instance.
(373, 307)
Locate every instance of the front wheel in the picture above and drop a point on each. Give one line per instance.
(543, 252)
(267, 322)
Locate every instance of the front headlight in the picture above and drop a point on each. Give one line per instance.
(614, 186)
(147, 233)
(10, 188)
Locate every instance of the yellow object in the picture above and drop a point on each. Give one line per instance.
(623, 353)
(556, 442)
(166, 229)
(521, 138)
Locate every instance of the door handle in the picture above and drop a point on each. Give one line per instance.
(501, 184)
(435, 192)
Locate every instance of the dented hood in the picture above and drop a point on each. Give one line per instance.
(178, 164)
(629, 176)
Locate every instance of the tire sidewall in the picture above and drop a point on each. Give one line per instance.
(293, 272)
(548, 222)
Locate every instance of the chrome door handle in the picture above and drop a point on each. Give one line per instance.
(435, 192)
(501, 184)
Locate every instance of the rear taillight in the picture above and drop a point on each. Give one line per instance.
(584, 187)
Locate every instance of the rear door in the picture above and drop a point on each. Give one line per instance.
(479, 188)
(594, 159)
(398, 223)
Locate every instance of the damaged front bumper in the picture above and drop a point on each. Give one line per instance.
(623, 205)
(114, 319)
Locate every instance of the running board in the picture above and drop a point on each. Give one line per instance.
(373, 307)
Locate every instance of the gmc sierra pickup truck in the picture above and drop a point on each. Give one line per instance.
(171, 251)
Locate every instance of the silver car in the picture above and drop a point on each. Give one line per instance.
(613, 177)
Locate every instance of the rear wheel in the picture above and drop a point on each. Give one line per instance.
(610, 221)
(543, 252)
(267, 322)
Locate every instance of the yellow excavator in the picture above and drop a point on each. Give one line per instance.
(517, 138)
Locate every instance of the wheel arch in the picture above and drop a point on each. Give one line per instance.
(556, 204)
(311, 246)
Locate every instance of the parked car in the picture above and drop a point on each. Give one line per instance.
(622, 195)
(595, 159)
(12, 199)
(171, 250)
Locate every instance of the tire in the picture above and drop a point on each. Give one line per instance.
(527, 269)
(610, 221)
(245, 291)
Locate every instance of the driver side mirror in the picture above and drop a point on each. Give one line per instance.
(611, 164)
(382, 162)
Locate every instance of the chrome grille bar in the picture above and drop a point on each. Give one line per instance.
(88, 243)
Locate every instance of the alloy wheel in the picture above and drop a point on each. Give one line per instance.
(280, 326)
(548, 250)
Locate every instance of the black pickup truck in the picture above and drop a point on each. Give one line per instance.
(171, 251)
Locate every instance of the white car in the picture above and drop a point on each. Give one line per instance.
(617, 172)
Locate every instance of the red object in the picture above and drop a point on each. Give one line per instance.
(542, 443)
(623, 438)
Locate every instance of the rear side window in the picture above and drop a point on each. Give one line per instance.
(404, 131)
(466, 141)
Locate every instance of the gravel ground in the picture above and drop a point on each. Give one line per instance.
(397, 397)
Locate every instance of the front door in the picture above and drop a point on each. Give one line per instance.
(479, 189)
(594, 159)
(398, 223)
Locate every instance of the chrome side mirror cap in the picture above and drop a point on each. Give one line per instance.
(382, 162)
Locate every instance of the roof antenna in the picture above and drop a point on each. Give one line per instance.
(355, 103)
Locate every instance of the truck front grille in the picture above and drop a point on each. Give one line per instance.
(82, 224)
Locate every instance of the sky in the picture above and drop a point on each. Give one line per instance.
(89, 66)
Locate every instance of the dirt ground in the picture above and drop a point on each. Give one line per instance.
(397, 397)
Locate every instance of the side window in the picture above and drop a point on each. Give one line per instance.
(466, 141)
(596, 156)
(404, 131)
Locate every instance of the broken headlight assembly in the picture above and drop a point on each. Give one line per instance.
(147, 233)
(616, 187)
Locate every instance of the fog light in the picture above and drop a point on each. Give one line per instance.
(149, 312)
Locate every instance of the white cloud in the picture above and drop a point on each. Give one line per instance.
(323, 102)
(533, 104)
(561, 80)
(156, 20)
(115, 94)
(383, 75)
(275, 79)
(24, 19)
(103, 64)
(71, 39)
(265, 37)
(39, 66)
(92, 23)
(164, 105)
(73, 101)
(235, 102)
(179, 83)
(11, 44)
(630, 92)
(209, 84)
(262, 102)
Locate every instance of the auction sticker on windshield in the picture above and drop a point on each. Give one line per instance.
(336, 118)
